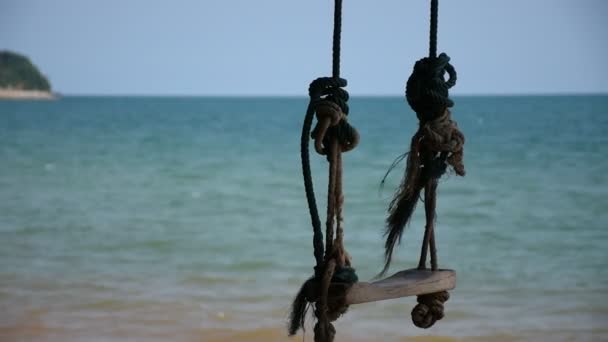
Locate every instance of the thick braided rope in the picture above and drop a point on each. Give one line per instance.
(433, 30)
(330, 115)
(437, 144)
(309, 189)
(333, 274)
(337, 38)
(332, 135)
(441, 145)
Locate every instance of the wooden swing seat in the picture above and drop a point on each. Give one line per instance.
(412, 282)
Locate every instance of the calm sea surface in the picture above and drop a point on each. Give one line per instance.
(184, 219)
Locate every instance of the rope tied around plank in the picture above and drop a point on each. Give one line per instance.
(437, 145)
(332, 135)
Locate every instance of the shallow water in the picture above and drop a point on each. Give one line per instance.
(185, 219)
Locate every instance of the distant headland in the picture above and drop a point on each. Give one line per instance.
(20, 79)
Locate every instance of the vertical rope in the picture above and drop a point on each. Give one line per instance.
(337, 38)
(343, 260)
(317, 239)
(433, 33)
(333, 135)
(436, 146)
(331, 193)
(430, 203)
(433, 247)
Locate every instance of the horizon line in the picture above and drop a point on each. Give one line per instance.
(574, 93)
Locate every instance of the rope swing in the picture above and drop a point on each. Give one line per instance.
(437, 144)
(332, 135)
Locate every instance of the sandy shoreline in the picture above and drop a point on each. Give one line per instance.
(19, 94)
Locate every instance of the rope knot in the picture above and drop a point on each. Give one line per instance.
(441, 135)
(324, 332)
(427, 90)
(341, 278)
(331, 109)
(429, 309)
(330, 88)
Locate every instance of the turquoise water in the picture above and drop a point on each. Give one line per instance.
(151, 218)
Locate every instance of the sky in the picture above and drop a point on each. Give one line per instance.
(276, 47)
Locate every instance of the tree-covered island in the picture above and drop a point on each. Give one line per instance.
(20, 79)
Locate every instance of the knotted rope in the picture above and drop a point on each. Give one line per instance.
(437, 145)
(429, 309)
(332, 135)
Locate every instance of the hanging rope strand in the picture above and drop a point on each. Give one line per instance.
(343, 259)
(310, 192)
(433, 33)
(337, 38)
(331, 193)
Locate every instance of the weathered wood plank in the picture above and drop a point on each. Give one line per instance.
(411, 282)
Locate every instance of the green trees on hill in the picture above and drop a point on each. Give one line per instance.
(17, 72)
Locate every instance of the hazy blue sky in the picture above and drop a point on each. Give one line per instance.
(278, 46)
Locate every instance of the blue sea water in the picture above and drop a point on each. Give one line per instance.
(185, 218)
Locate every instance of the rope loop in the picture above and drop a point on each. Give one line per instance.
(429, 309)
(347, 135)
(427, 90)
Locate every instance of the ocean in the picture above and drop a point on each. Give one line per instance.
(184, 219)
